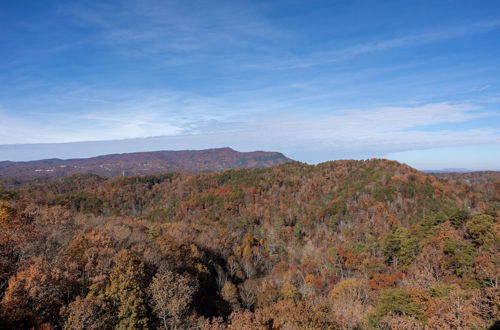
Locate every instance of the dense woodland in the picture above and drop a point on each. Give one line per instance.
(340, 245)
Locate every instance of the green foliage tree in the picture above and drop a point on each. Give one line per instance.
(395, 302)
(480, 229)
(458, 218)
(126, 291)
(400, 248)
(459, 257)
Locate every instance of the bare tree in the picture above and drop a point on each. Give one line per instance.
(171, 295)
(248, 293)
(232, 266)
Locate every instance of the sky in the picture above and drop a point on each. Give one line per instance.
(415, 81)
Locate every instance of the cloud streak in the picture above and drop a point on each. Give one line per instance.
(332, 56)
(233, 32)
(155, 28)
(347, 133)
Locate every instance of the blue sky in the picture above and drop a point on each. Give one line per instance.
(416, 81)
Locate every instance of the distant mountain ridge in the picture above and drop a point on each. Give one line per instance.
(449, 170)
(154, 162)
(477, 177)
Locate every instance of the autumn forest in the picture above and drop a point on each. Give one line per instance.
(369, 244)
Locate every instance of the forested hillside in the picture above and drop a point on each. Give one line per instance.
(339, 245)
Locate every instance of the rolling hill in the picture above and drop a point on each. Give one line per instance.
(348, 244)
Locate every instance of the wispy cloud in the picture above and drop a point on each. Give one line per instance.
(334, 55)
(236, 33)
(155, 28)
(348, 133)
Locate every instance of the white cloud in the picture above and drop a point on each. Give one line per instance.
(341, 134)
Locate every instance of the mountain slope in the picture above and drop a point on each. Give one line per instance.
(374, 192)
(185, 161)
(340, 245)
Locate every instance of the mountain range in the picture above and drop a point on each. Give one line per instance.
(184, 161)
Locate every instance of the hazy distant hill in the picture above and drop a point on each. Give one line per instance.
(470, 177)
(185, 161)
(449, 170)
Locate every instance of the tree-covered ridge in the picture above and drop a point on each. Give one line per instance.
(479, 177)
(152, 162)
(344, 244)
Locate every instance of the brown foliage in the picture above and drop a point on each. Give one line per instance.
(289, 247)
(383, 281)
(34, 293)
